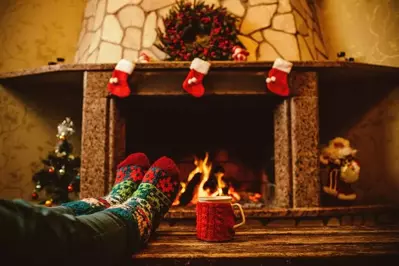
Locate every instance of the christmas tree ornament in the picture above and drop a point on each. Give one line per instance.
(51, 170)
(38, 186)
(143, 58)
(65, 129)
(193, 82)
(49, 203)
(239, 54)
(277, 80)
(70, 188)
(118, 83)
(35, 196)
(62, 171)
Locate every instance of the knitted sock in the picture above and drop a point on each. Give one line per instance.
(129, 174)
(151, 201)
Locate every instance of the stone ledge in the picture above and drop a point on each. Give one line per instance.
(165, 65)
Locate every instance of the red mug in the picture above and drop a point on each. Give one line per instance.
(216, 218)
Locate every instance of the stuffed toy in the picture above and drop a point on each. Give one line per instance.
(343, 169)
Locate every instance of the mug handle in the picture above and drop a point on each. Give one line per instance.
(242, 215)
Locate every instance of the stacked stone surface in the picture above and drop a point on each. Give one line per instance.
(115, 29)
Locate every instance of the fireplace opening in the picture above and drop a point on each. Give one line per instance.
(223, 145)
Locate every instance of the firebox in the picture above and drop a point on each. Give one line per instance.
(223, 145)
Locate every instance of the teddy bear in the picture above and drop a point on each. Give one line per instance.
(343, 168)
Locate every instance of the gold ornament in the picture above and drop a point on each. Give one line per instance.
(49, 203)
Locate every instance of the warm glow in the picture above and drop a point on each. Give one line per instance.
(182, 190)
(204, 168)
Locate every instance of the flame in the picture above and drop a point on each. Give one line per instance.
(204, 167)
(182, 190)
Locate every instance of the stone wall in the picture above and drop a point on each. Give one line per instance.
(113, 29)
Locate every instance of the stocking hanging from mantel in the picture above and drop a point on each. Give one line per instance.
(118, 84)
(277, 80)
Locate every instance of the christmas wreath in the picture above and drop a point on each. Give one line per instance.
(198, 31)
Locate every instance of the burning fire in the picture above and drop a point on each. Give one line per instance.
(203, 169)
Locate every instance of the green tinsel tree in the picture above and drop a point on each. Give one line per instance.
(60, 175)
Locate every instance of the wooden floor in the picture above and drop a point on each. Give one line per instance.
(278, 246)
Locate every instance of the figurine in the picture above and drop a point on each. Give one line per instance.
(343, 169)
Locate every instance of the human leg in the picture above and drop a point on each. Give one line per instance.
(152, 200)
(42, 236)
(35, 235)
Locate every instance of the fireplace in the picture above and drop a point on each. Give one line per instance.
(268, 144)
(223, 145)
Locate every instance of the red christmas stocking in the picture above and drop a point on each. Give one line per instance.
(193, 82)
(118, 83)
(277, 81)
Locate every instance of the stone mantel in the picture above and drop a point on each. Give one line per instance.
(296, 121)
(334, 68)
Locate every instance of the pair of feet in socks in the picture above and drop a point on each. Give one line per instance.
(141, 196)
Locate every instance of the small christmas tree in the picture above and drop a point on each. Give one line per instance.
(60, 175)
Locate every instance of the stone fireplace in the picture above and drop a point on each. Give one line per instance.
(267, 144)
(239, 137)
(283, 128)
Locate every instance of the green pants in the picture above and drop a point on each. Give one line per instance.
(35, 235)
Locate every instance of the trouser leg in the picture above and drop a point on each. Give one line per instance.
(41, 236)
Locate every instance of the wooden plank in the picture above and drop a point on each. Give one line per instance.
(341, 230)
(365, 260)
(267, 251)
(266, 244)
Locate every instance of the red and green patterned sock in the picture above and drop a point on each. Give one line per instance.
(152, 200)
(129, 174)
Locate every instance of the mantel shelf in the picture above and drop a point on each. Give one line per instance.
(72, 74)
(216, 65)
